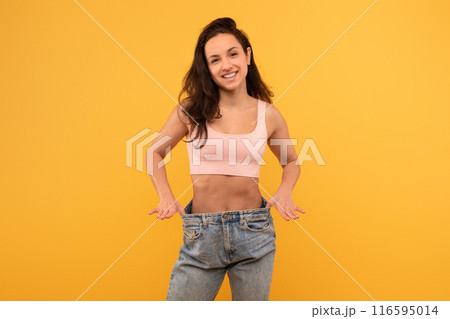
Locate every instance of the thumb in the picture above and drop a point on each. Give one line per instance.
(268, 205)
(181, 209)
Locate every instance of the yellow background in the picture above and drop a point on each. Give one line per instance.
(376, 105)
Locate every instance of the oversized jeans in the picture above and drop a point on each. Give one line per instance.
(241, 242)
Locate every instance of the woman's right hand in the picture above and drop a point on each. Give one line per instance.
(165, 208)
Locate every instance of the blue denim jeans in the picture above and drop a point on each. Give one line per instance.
(241, 242)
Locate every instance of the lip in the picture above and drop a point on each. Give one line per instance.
(231, 77)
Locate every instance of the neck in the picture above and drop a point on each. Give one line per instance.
(237, 98)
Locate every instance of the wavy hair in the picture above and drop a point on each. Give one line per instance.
(202, 101)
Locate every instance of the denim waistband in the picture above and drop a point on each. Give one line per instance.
(226, 215)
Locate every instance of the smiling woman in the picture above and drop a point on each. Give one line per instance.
(227, 225)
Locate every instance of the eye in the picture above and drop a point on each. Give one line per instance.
(232, 54)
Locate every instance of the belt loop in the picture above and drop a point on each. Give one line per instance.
(204, 220)
(241, 219)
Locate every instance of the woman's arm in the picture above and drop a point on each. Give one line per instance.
(170, 134)
(291, 173)
(281, 145)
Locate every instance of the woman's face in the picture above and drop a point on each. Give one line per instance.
(224, 56)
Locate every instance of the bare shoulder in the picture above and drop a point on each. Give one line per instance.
(181, 110)
(175, 128)
(274, 119)
(183, 116)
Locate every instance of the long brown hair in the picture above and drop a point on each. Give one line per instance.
(202, 101)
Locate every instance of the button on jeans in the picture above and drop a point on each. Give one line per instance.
(241, 242)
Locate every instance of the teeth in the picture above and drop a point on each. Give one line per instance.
(230, 75)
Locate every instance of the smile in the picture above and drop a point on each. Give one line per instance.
(230, 76)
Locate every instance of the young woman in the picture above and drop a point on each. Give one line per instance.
(227, 225)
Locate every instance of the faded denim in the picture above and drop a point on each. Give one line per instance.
(241, 242)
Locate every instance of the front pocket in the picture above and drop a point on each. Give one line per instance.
(259, 224)
(192, 231)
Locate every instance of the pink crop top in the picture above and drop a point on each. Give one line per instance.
(230, 154)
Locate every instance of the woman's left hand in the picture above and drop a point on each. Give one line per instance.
(283, 202)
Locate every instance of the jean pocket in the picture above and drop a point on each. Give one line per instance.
(192, 231)
(258, 224)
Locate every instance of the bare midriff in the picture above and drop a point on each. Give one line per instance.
(214, 193)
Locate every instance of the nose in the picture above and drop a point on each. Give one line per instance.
(226, 64)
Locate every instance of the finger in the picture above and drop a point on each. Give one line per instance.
(300, 210)
(291, 214)
(170, 213)
(181, 210)
(165, 214)
(154, 210)
(284, 213)
(294, 215)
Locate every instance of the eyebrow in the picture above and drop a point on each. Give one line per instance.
(227, 51)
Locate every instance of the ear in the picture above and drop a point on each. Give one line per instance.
(249, 52)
